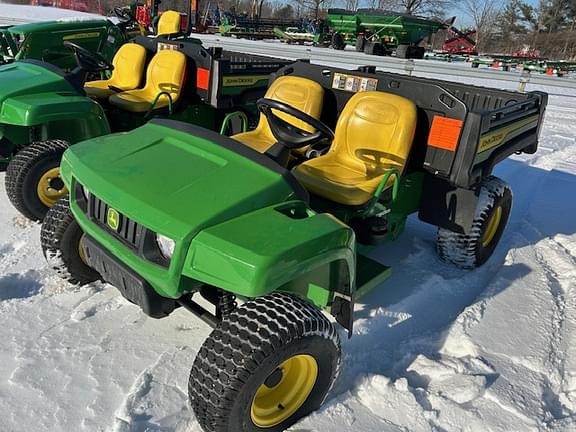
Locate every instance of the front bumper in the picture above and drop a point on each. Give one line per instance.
(133, 287)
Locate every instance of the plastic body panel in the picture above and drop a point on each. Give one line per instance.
(196, 170)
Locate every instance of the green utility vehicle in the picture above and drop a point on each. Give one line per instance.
(171, 212)
(378, 32)
(44, 110)
(45, 40)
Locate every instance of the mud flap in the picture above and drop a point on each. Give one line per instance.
(447, 206)
(343, 311)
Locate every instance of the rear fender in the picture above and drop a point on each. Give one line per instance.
(286, 247)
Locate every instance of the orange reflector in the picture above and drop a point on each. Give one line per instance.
(202, 78)
(445, 133)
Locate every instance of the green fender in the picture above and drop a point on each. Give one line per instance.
(286, 247)
(54, 115)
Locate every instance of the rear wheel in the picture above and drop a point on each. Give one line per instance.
(471, 250)
(360, 43)
(418, 52)
(374, 48)
(403, 51)
(269, 363)
(338, 42)
(33, 182)
(61, 239)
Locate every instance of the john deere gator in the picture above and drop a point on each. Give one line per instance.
(265, 226)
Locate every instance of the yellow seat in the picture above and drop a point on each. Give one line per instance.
(374, 133)
(165, 74)
(169, 23)
(128, 65)
(301, 93)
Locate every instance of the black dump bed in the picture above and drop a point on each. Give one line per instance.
(462, 131)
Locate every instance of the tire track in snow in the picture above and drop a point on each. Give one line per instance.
(155, 391)
(559, 270)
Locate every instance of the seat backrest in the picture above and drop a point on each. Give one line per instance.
(128, 63)
(375, 132)
(301, 93)
(169, 23)
(166, 73)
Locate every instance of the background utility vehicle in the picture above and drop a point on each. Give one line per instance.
(44, 41)
(45, 110)
(171, 211)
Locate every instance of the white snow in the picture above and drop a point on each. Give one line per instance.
(435, 348)
(20, 14)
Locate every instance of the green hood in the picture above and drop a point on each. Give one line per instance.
(177, 182)
(23, 78)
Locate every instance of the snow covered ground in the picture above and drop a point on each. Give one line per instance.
(435, 348)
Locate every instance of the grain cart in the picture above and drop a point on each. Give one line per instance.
(274, 217)
(44, 110)
(379, 32)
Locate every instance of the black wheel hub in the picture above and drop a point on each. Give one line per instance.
(274, 378)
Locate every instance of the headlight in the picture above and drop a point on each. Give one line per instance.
(165, 245)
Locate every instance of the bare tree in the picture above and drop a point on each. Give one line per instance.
(313, 6)
(352, 4)
(413, 7)
(484, 14)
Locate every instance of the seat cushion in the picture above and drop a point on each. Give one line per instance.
(137, 101)
(127, 73)
(300, 93)
(255, 139)
(165, 74)
(328, 177)
(98, 89)
(374, 134)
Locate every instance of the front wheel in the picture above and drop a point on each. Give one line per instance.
(269, 363)
(61, 240)
(33, 182)
(471, 250)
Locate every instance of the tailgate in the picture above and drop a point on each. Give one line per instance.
(486, 137)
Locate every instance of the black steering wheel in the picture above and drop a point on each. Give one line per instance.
(288, 135)
(123, 13)
(87, 60)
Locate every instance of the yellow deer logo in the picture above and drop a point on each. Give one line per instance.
(113, 219)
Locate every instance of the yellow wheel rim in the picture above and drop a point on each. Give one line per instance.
(492, 227)
(51, 187)
(284, 391)
(81, 250)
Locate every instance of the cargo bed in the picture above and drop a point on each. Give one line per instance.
(463, 130)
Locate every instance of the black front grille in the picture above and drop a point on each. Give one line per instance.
(132, 234)
(128, 230)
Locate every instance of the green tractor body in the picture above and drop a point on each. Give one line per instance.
(44, 40)
(243, 239)
(170, 211)
(38, 102)
(243, 223)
